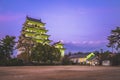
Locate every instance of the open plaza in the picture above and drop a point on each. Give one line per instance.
(60, 73)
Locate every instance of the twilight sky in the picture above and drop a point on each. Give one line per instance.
(82, 25)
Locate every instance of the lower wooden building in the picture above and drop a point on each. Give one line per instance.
(84, 59)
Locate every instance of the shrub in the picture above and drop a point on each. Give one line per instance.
(15, 62)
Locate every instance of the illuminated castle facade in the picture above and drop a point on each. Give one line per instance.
(34, 29)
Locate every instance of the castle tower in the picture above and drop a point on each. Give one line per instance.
(33, 31)
(34, 28)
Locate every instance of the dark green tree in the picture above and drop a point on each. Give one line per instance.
(66, 60)
(45, 54)
(2, 56)
(114, 39)
(7, 45)
(26, 45)
(37, 53)
(54, 54)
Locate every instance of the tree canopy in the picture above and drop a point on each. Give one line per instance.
(7, 45)
(45, 54)
(114, 39)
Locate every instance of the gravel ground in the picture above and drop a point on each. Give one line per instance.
(59, 73)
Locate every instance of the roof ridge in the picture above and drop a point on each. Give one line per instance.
(33, 19)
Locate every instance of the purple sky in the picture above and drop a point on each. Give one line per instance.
(83, 25)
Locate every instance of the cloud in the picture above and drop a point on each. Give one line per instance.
(85, 46)
(85, 42)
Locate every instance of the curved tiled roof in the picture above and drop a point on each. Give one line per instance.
(33, 19)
